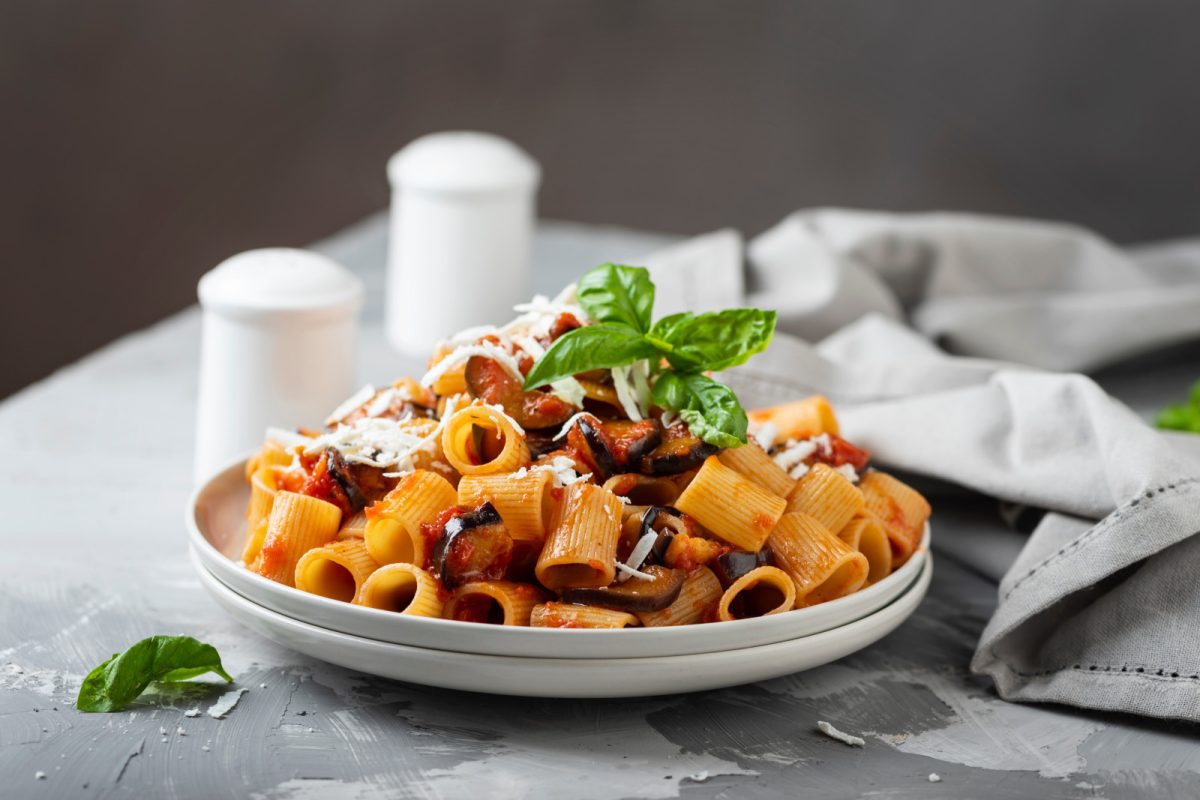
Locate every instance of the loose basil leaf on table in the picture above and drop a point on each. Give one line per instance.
(618, 295)
(715, 340)
(587, 348)
(710, 409)
(119, 680)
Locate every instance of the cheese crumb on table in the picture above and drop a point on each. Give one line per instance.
(935, 778)
(39, 775)
(845, 738)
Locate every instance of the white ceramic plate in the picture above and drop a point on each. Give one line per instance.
(569, 677)
(217, 529)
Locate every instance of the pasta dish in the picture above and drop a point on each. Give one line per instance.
(579, 468)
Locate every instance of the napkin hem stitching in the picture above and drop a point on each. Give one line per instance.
(1099, 528)
(1125, 669)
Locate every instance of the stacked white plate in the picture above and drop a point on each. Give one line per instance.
(541, 662)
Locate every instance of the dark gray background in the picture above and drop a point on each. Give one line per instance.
(142, 142)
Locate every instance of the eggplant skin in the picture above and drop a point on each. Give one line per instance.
(734, 564)
(663, 542)
(678, 454)
(347, 477)
(635, 594)
(473, 546)
(598, 451)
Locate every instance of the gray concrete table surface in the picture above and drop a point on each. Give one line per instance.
(95, 475)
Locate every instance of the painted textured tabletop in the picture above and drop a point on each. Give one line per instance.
(93, 483)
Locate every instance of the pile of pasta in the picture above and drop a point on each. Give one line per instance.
(487, 524)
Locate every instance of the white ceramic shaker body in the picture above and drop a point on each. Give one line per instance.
(278, 348)
(462, 219)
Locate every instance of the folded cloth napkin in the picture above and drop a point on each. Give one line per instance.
(1101, 607)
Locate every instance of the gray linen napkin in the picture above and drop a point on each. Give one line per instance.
(1101, 607)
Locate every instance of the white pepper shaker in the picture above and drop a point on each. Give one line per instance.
(277, 348)
(462, 217)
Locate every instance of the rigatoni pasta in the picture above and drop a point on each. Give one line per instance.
(822, 566)
(337, 570)
(496, 490)
(827, 496)
(569, 615)
(403, 588)
(865, 535)
(582, 547)
(899, 508)
(760, 592)
(393, 531)
(297, 524)
(730, 505)
(493, 603)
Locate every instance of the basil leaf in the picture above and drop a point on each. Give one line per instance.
(119, 680)
(587, 348)
(618, 295)
(713, 341)
(710, 409)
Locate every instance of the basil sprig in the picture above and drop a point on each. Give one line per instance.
(118, 681)
(620, 300)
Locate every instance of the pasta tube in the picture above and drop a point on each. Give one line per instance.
(581, 548)
(393, 531)
(801, 419)
(752, 462)
(900, 509)
(524, 502)
(730, 505)
(827, 496)
(262, 495)
(493, 602)
(458, 441)
(761, 591)
(272, 454)
(403, 588)
(643, 490)
(822, 566)
(337, 570)
(701, 591)
(297, 524)
(254, 542)
(355, 527)
(566, 615)
(866, 536)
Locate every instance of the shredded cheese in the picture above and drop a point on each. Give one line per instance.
(288, 439)
(849, 471)
(637, 556)
(765, 435)
(628, 572)
(626, 392)
(795, 453)
(561, 469)
(570, 423)
(349, 404)
(381, 403)
(462, 354)
(499, 409)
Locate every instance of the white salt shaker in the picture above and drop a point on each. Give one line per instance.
(462, 217)
(277, 349)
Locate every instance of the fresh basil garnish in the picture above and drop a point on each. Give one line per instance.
(713, 341)
(620, 300)
(710, 409)
(587, 348)
(118, 681)
(618, 295)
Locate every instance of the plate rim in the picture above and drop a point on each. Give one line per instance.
(918, 590)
